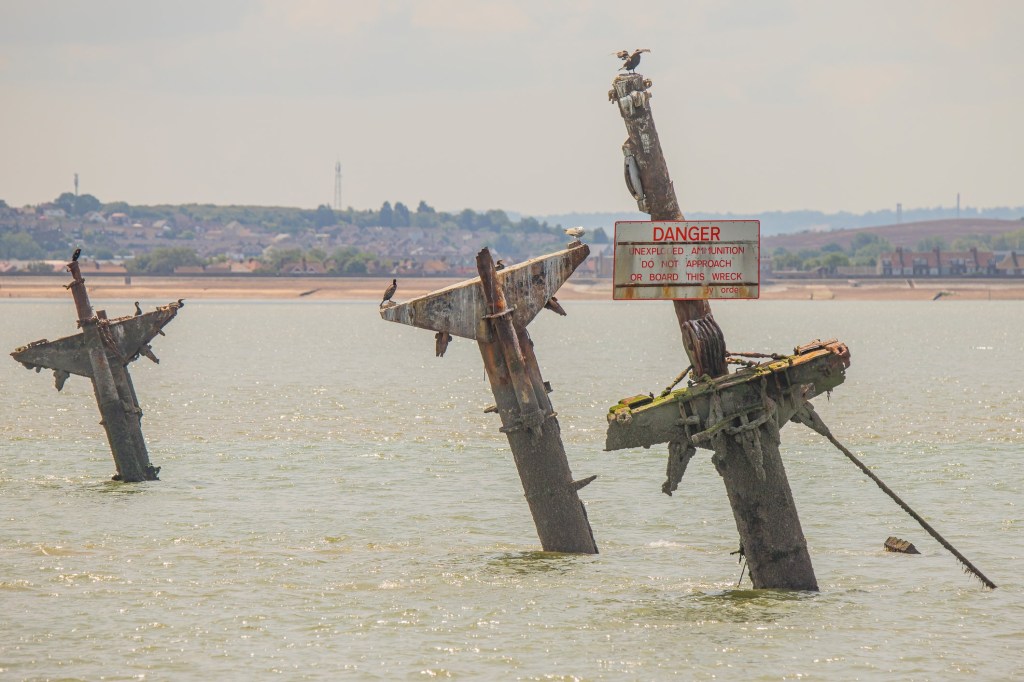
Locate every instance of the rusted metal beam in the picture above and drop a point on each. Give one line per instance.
(500, 316)
(739, 417)
(643, 421)
(648, 180)
(102, 352)
(459, 308)
(494, 309)
(746, 447)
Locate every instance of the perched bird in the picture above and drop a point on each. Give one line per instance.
(441, 340)
(181, 303)
(555, 306)
(631, 61)
(390, 291)
(575, 232)
(622, 54)
(138, 310)
(499, 265)
(76, 254)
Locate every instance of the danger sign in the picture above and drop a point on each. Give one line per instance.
(660, 260)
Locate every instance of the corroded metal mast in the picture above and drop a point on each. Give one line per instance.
(647, 178)
(102, 352)
(743, 432)
(495, 309)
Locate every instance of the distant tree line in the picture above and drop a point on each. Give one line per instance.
(284, 220)
(865, 248)
(18, 243)
(77, 205)
(1007, 241)
(425, 216)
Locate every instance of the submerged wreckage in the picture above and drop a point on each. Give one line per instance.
(494, 309)
(737, 415)
(102, 352)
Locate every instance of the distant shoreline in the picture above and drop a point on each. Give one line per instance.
(576, 289)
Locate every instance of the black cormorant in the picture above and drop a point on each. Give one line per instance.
(390, 291)
(632, 61)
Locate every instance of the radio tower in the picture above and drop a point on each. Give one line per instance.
(337, 186)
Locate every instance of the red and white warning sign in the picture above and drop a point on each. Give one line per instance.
(661, 260)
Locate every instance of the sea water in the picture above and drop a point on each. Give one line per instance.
(335, 503)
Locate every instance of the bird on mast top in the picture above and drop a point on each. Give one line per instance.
(630, 61)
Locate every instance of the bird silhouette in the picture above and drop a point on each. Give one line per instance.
(389, 292)
(499, 265)
(138, 310)
(575, 232)
(630, 61)
(76, 254)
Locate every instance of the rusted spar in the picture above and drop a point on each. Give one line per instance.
(494, 309)
(460, 308)
(748, 460)
(643, 421)
(739, 416)
(102, 352)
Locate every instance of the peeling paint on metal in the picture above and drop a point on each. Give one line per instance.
(458, 309)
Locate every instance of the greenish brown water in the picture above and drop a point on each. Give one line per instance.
(335, 503)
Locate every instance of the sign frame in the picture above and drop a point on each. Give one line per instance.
(721, 242)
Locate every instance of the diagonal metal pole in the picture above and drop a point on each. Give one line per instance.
(531, 426)
(762, 503)
(648, 180)
(495, 311)
(113, 410)
(102, 352)
(809, 417)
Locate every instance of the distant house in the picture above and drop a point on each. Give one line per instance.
(936, 263)
(303, 267)
(247, 266)
(1011, 264)
(435, 267)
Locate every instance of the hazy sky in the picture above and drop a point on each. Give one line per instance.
(761, 105)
